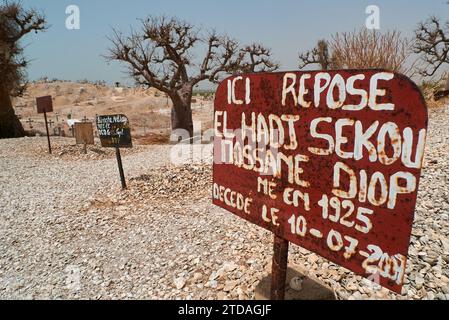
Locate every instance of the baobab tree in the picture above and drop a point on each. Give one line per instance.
(161, 54)
(432, 43)
(15, 23)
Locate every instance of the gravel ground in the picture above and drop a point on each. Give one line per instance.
(68, 231)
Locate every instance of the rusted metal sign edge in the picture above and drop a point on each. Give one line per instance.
(350, 162)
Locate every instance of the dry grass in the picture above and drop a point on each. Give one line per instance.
(365, 49)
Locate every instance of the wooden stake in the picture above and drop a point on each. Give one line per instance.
(120, 167)
(279, 268)
(48, 133)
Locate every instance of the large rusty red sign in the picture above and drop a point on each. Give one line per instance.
(329, 161)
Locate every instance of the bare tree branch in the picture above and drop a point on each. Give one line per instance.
(432, 41)
(161, 55)
(366, 49)
(15, 23)
(255, 58)
(318, 55)
(362, 49)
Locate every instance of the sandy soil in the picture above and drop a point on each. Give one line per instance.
(147, 110)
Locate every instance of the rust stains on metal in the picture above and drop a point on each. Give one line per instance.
(329, 161)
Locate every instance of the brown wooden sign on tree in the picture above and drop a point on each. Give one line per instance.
(329, 161)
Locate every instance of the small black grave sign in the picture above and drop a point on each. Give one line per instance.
(114, 131)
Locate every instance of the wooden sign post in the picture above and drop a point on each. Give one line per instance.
(327, 160)
(115, 132)
(44, 105)
(120, 167)
(84, 134)
(279, 268)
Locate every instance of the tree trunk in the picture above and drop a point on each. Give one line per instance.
(10, 125)
(181, 113)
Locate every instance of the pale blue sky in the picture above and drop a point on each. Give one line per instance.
(286, 26)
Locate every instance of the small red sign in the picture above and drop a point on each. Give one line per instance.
(44, 104)
(330, 161)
